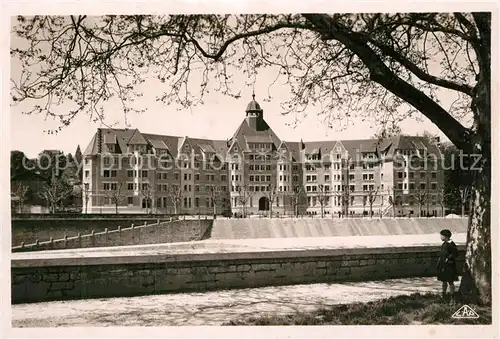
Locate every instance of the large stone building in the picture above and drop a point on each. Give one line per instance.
(254, 172)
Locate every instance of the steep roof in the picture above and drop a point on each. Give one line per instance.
(264, 133)
(92, 146)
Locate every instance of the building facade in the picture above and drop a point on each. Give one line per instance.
(254, 172)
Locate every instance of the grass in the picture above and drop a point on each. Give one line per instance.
(401, 310)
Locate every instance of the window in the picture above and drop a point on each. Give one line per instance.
(197, 188)
(268, 167)
(422, 185)
(268, 178)
(422, 175)
(433, 175)
(185, 176)
(113, 173)
(412, 186)
(130, 173)
(327, 177)
(434, 186)
(164, 175)
(87, 173)
(130, 186)
(223, 177)
(400, 175)
(144, 174)
(106, 173)
(106, 186)
(130, 200)
(411, 175)
(176, 176)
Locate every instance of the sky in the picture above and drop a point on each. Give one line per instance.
(217, 118)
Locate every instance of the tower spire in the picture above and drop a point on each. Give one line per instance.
(253, 94)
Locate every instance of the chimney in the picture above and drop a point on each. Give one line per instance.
(99, 140)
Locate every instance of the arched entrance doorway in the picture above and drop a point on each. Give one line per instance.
(263, 204)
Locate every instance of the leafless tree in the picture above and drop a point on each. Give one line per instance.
(55, 193)
(333, 63)
(393, 201)
(371, 195)
(442, 201)
(244, 195)
(271, 194)
(294, 197)
(421, 197)
(19, 191)
(464, 197)
(148, 193)
(216, 196)
(323, 198)
(175, 195)
(115, 194)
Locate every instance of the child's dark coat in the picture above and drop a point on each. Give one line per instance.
(447, 267)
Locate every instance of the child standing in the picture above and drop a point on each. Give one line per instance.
(446, 267)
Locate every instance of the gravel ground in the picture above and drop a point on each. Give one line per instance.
(210, 308)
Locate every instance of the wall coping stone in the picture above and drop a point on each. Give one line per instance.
(44, 259)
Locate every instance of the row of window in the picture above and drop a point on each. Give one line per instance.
(411, 175)
(259, 178)
(422, 186)
(259, 167)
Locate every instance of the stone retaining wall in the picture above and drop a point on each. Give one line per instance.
(153, 233)
(43, 279)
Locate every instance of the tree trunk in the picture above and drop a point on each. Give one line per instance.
(463, 209)
(475, 286)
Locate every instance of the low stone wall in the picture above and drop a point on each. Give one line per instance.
(52, 278)
(153, 233)
(29, 230)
